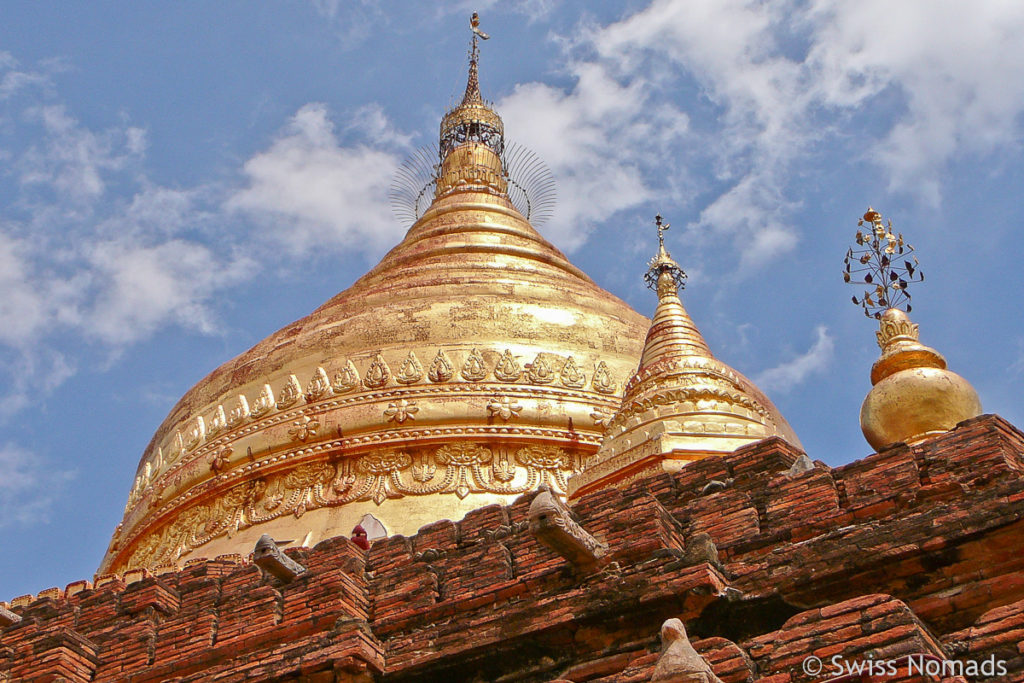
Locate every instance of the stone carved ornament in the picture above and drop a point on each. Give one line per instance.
(552, 524)
(679, 662)
(271, 559)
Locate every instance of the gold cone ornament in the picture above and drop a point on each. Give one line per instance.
(682, 404)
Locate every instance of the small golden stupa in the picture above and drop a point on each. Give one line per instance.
(913, 395)
(472, 364)
(682, 404)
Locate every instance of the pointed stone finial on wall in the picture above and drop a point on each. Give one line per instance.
(679, 662)
(552, 524)
(7, 617)
(701, 549)
(800, 465)
(272, 560)
(715, 486)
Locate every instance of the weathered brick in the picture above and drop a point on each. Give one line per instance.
(891, 551)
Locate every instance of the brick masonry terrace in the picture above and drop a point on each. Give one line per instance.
(910, 551)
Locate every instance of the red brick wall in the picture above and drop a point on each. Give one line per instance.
(909, 551)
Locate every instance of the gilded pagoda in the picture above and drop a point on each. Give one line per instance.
(473, 364)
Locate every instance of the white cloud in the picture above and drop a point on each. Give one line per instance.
(533, 10)
(310, 192)
(959, 67)
(127, 271)
(1017, 367)
(368, 122)
(13, 79)
(784, 377)
(732, 50)
(27, 487)
(31, 374)
(753, 213)
(73, 159)
(90, 247)
(24, 308)
(146, 259)
(38, 294)
(357, 20)
(934, 80)
(354, 21)
(161, 259)
(603, 140)
(158, 211)
(109, 267)
(141, 288)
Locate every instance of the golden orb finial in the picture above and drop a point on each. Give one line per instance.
(913, 395)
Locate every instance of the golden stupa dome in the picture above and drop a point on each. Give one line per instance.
(913, 395)
(682, 404)
(472, 364)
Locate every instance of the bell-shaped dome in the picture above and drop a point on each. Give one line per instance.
(472, 364)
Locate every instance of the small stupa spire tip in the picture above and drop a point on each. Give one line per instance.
(663, 274)
(472, 95)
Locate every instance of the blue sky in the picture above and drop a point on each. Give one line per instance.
(179, 180)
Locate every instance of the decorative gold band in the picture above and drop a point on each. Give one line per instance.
(458, 469)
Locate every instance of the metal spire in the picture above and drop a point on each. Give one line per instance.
(664, 264)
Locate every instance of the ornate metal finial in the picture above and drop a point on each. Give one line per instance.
(662, 264)
(474, 25)
(884, 262)
(661, 230)
(472, 95)
(472, 120)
